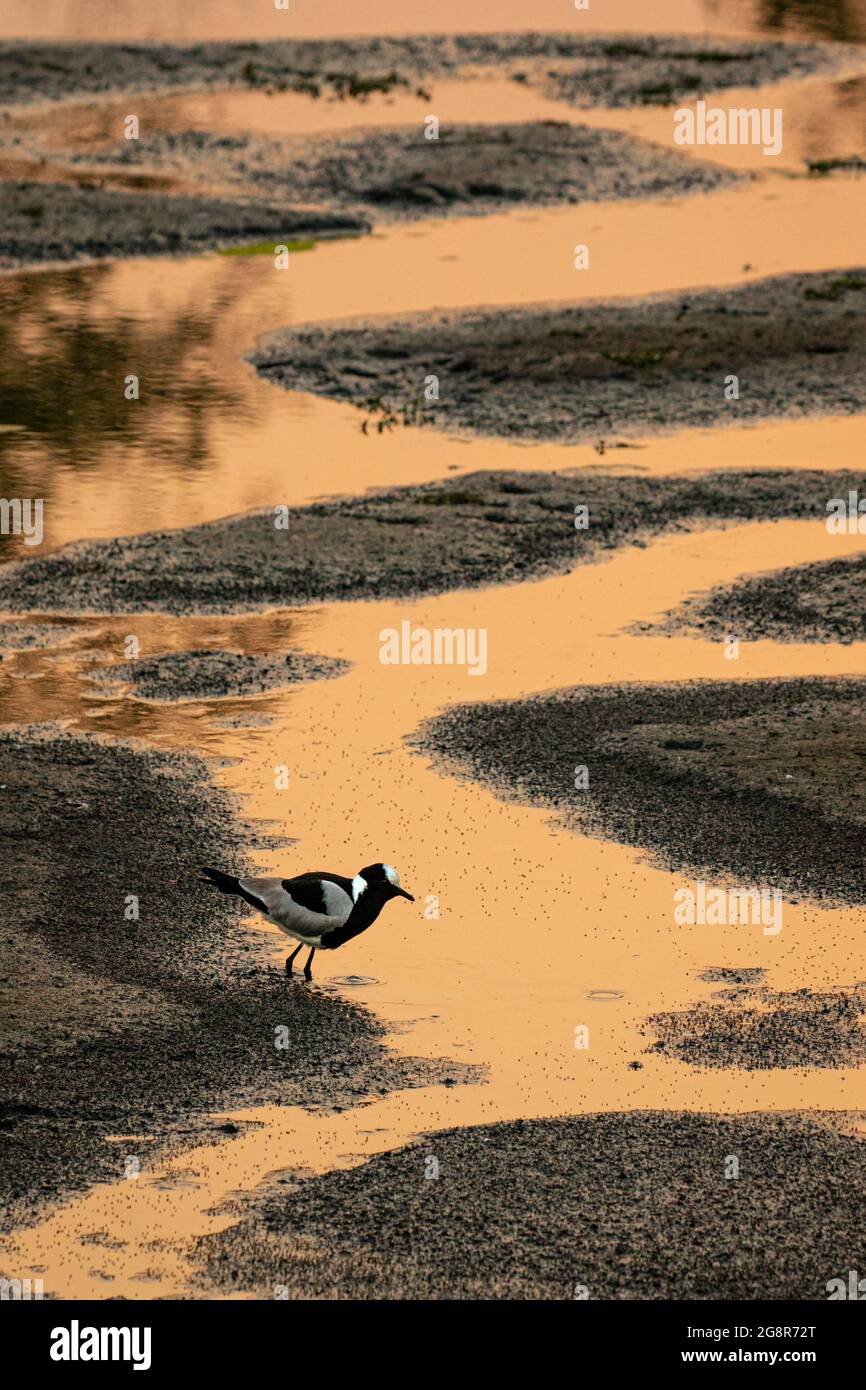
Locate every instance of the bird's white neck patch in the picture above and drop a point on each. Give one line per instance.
(359, 883)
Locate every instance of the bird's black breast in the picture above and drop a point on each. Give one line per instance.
(362, 916)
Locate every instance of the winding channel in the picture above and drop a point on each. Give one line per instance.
(492, 981)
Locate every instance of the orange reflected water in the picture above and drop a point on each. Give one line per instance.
(493, 979)
(209, 438)
(88, 126)
(821, 119)
(189, 20)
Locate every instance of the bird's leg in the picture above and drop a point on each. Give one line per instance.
(292, 957)
(307, 971)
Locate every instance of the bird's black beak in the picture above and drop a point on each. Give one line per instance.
(404, 894)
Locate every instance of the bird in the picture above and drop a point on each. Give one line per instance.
(319, 910)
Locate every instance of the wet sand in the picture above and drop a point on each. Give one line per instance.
(744, 782)
(758, 1028)
(803, 603)
(793, 345)
(657, 71)
(51, 222)
(151, 1023)
(203, 675)
(611, 1206)
(595, 70)
(485, 528)
(184, 193)
(400, 173)
(19, 636)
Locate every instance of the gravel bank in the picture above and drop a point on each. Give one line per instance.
(487, 527)
(597, 70)
(206, 675)
(796, 343)
(821, 602)
(398, 174)
(747, 782)
(613, 1206)
(756, 1029)
(48, 222)
(20, 637)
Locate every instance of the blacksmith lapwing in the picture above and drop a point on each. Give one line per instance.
(322, 911)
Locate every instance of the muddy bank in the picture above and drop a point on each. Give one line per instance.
(47, 222)
(117, 1025)
(206, 675)
(755, 1028)
(586, 70)
(796, 345)
(397, 174)
(821, 602)
(635, 70)
(748, 782)
(613, 1206)
(487, 527)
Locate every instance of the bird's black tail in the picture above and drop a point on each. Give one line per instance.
(226, 883)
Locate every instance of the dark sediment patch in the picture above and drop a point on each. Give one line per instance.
(755, 1029)
(651, 70)
(730, 975)
(143, 1027)
(755, 782)
(589, 70)
(204, 675)
(47, 222)
(820, 602)
(484, 528)
(343, 69)
(796, 343)
(19, 637)
(610, 1206)
(398, 173)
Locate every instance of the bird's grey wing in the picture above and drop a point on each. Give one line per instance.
(326, 893)
(283, 907)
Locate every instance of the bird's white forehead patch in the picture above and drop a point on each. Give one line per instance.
(391, 875)
(359, 883)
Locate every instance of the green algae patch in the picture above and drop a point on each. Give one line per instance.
(267, 248)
